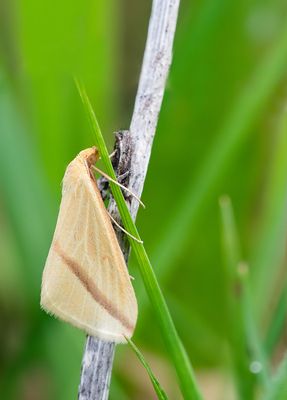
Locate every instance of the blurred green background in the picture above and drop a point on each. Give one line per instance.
(222, 130)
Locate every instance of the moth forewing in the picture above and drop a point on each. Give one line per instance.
(85, 279)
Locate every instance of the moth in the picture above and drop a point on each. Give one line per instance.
(85, 280)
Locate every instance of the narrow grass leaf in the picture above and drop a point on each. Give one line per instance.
(277, 323)
(269, 252)
(234, 291)
(243, 331)
(231, 245)
(175, 348)
(161, 395)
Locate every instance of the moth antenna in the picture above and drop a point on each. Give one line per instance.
(117, 183)
(132, 277)
(126, 232)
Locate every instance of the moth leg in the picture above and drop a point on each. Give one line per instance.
(126, 232)
(117, 183)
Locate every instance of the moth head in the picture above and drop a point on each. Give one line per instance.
(90, 156)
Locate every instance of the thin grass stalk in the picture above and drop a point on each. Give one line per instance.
(178, 355)
(161, 395)
(277, 324)
(246, 347)
(269, 252)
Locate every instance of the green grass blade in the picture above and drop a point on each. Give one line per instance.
(158, 389)
(277, 324)
(278, 390)
(269, 251)
(234, 300)
(175, 348)
(243, 333)
(230, 235)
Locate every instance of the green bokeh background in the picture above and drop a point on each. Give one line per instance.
(222, 130)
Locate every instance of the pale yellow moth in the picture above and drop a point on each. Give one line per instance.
(85, 280)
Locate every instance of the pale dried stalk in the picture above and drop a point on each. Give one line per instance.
(98, 355)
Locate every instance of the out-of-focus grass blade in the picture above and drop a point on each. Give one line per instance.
(231, 136)
(278, 389)
(158, 389)
(277, 323)
(175, 348)
(245, 344)
(234, 292)
(231, 245)
(269, 253)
